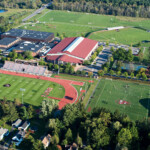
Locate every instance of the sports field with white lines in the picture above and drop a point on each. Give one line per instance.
(34, 88)
(109, 93)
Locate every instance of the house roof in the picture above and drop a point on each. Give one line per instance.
(24, 125)
(22, 133)
(17, 122)
(3, 131)
(75, 46)
(46, 139)
(66, 58)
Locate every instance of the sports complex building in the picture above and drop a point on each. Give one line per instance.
(72, 50)
(29, 35)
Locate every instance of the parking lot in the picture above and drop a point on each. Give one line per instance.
(104, 55)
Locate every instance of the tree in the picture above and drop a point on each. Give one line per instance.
(105, 69)
(144, 77)
(78, 72)
(68, 136)
(27, 143)
(100, 137)
(23, 113)
(67, 70)
(50, 66)
(90, 74)
(71, 70)
(56, 67)
(38, 145)
(79, 140)
(126, 74)
(111, 72)
(48, 106)
(83, 73)
(111, 59)
(129, 55)
(124, 137)
(117, 125)
(132, 75)
(86, 62)
(88, 148)
(118, 73)
(52, 124)
(28, 55)
(112, 49)
(17, 102)
(107, 43)
(100, 73)
(30, 112)
(12, 114)
(141, 56)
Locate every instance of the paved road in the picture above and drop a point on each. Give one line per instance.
(36, 12)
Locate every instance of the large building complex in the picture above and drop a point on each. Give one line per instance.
(72, 50)
(29, 35)
(8, 42)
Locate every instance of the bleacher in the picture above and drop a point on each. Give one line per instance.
(24, 68)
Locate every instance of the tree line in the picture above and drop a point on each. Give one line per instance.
(131, 8)
(99, 129)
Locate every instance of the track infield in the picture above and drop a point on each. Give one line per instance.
(129, 98)
(37, 87)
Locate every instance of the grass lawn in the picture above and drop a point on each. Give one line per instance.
(34, 88)
(75, 23)
(126, 36)
(108, 94)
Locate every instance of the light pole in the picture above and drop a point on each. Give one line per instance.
(22, 90)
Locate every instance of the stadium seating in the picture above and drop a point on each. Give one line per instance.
(17, 67)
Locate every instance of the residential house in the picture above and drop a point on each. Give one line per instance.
(24, 126)
(18, 138)
(3, 132)
(46, 141)
(17, 123)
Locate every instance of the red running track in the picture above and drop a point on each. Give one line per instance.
(70, 91)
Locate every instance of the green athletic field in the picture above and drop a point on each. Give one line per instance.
(108, 93)
(75, 23)
(126, 36)
(34, 88)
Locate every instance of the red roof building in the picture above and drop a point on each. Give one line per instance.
(73, 50)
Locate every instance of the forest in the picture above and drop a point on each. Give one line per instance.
(139, 8)
(132, 8)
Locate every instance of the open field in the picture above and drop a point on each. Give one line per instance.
(11, 12)
(34, 89)
(126, 36)
(79, 24)
(93, 20)
(108, 94)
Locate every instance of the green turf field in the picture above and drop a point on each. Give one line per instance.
(108, 93)
(34, 88)
(125, 36)
(75, 23)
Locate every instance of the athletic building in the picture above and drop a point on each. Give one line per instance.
(29, 35)
(72, 50)
(6, 42)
